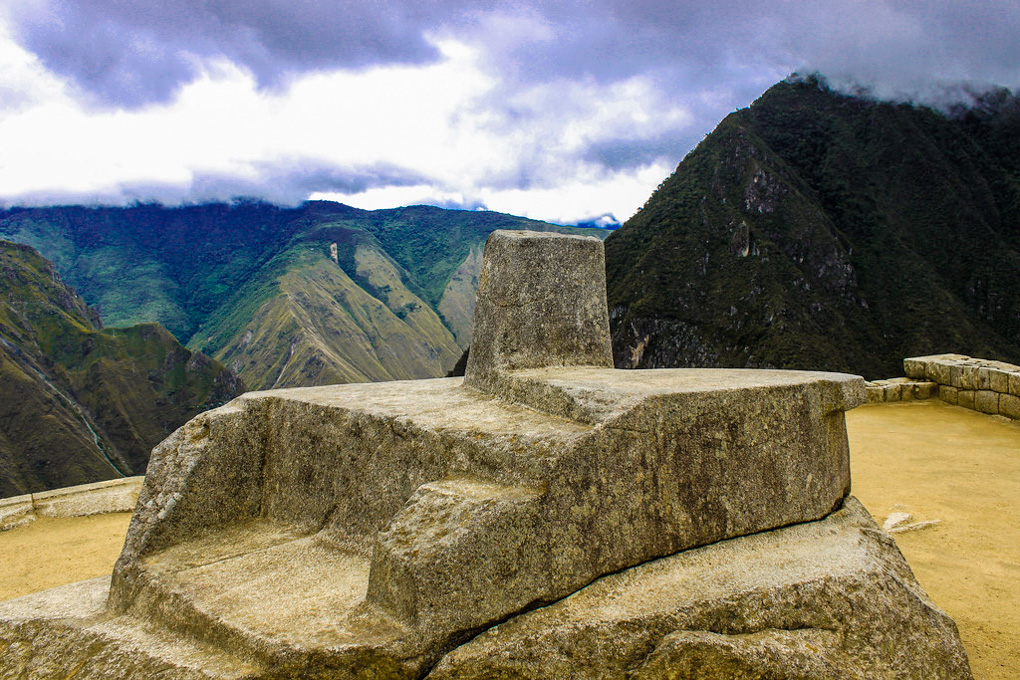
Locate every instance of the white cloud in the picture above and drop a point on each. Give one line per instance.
(438, 122)
(556, 110)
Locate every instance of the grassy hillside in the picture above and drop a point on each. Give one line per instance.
(259, 286)
(313, 324)
(79, 403)
(817, 230)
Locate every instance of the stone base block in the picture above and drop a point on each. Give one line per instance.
(986, 401)
(1009, 406)
(827, 599)
(900, 389)
(965, 398)
(115, 495)
(15, 512)
(818, 600)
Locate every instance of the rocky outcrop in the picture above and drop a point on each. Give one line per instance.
(828, 599)
(372, 530)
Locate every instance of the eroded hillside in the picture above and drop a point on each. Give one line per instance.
(79, 403)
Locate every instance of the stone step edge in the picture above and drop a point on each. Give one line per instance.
(97, 498)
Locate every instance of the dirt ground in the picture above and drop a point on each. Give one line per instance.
(947, 463)
(51, 552)
(928, 459)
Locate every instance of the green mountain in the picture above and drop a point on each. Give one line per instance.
(818, 230)
(285, 297)
(79, 403)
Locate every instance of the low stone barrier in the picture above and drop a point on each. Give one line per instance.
(115, 495)
(900, 389)
(991, 387)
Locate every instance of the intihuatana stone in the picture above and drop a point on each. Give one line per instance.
(366, 531)
(541, 302)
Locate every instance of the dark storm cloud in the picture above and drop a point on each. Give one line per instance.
(697, 62)
(711, 58)
(622, 154)
(133, 52)
(130, 52)
(897, 48)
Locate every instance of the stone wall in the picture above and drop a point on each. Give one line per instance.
(901, 389)
(115, 495)
(991, 387)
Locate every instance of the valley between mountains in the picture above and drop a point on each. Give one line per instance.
(319, 294)
(812, 230)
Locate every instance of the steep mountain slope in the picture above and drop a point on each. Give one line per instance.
(149, 263)
(317, 326)
(817, 230)
(79, 403)
(286, 297)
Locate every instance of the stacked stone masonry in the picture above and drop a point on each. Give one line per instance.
(901, 389)
(991, 387)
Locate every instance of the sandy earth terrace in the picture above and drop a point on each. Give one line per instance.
(926, 459)
(962, 468)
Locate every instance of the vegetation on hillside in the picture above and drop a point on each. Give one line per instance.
(821, 231)
(209, 272)
(79, 403)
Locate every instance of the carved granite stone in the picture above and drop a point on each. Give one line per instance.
(368, 531)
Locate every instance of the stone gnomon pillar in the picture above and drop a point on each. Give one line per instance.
(366, 530)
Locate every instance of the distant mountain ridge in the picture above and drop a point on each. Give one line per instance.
(79, 403)
(284, 296)
(822, 231)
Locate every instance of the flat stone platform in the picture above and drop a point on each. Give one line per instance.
(305, 528)
(800, 601)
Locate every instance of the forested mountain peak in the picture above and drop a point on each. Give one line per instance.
(816, 229)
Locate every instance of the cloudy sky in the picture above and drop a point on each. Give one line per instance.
(565, 110)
